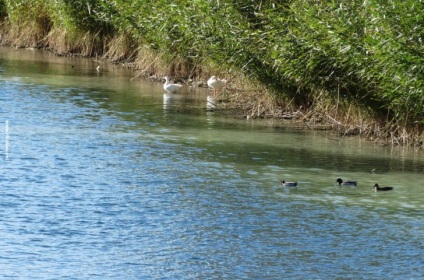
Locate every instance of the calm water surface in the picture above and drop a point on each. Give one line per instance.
(107, 178)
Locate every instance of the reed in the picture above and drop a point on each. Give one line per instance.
(337, 61)
(27, 24)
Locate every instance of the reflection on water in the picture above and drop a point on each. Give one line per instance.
(170, 101)
(105, 180)
(210, 102)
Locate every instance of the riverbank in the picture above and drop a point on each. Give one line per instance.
(281, 61)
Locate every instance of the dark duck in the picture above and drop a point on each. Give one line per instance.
(288, 184)
(347, 183)
(377, 188)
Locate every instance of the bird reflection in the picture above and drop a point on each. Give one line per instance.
(167, 101)
(210, 103)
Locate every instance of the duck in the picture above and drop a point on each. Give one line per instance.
(347, 183)
(216, 84)
(288, 184)
(171, 88)
(377, 188)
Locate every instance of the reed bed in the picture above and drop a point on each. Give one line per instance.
(356, 66)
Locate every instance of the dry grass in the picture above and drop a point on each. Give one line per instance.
(26, 35)
(64, 42)
(148, 63)
(153, 65)
(121, 48)
(324, 114)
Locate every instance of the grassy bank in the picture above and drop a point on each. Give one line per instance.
(355, 66)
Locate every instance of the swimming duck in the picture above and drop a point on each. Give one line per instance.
(288, 184)
(377, 188)
(216, 84)
(347, 183)
(172, 88)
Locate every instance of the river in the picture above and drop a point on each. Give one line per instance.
(107, 177)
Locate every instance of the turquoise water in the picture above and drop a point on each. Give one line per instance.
(104, 177)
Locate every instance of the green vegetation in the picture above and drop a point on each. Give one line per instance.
(3, 11)
(315, 54)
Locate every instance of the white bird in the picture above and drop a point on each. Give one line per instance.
(216, 84)
(172, 88)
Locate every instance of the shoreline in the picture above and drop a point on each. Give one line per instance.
(244, 98)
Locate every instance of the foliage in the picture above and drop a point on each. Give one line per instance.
(3, 10)
(366, 52)
(28, 11)
(79, 16)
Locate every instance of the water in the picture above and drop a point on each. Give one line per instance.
(107, 178)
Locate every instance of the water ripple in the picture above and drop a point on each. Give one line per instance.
(97, 188)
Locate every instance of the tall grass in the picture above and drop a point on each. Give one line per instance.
(366, 54)
(29, 22)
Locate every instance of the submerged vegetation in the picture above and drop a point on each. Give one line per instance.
(354, 65)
